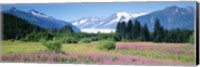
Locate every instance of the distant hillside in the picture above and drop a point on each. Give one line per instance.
(40, 19)
(170, 18)
(14, 27)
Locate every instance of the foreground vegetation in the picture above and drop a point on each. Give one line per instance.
(181, 53)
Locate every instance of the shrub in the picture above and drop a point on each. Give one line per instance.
(12, 40)
(36, 36)
(53, 46)
(23, 39)
(117, 38)
(70, 40)
(86, 40)
(94, 39)
(140, 38)
(110, 39)
(106, 44)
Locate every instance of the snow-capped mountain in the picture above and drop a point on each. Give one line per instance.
(87, 22)
(38, 14)
(40, 19)
(109, 22)
(170, 18)
(106, 25)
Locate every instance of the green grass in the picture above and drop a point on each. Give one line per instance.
(186, 55)
(18, 47)
(158, 55)
(21, 47)
(81, 48)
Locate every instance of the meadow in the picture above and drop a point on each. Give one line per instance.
(148, 53)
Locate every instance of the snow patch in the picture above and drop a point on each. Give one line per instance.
(75, 23)
(139, 14)
(94, 30)
(106, 22)
(38, 14)
(83, 21)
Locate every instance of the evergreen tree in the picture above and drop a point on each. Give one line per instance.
(118, 28)
(123, 29)
(136, 29)
(177, 35)
(129, 31)
(192, 39)
(145, 36)
(67, 29)
(118, 31)
(158, 33)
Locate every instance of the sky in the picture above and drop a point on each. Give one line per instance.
(74, 11)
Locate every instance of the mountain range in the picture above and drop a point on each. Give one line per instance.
(40, 19)
(104, 23)
(170, 18)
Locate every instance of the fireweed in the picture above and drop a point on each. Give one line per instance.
(90, 58)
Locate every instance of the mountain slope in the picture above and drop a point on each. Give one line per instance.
(14, 27)
(40, 19)
(170, 18)
(109, 22)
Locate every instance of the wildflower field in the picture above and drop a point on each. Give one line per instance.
(146, 53)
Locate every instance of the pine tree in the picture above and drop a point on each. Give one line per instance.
(118, 28)
(158, 33)
(129, 31)
(145, 33)
(136, 29)
(66, 29)
(118, 31)
(123, 29)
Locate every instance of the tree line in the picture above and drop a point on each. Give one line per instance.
(137, 32)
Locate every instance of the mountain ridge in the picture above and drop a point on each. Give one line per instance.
(106, 22)
(40, 19)
(171, 17)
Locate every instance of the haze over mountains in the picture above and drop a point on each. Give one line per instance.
(171, 17)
